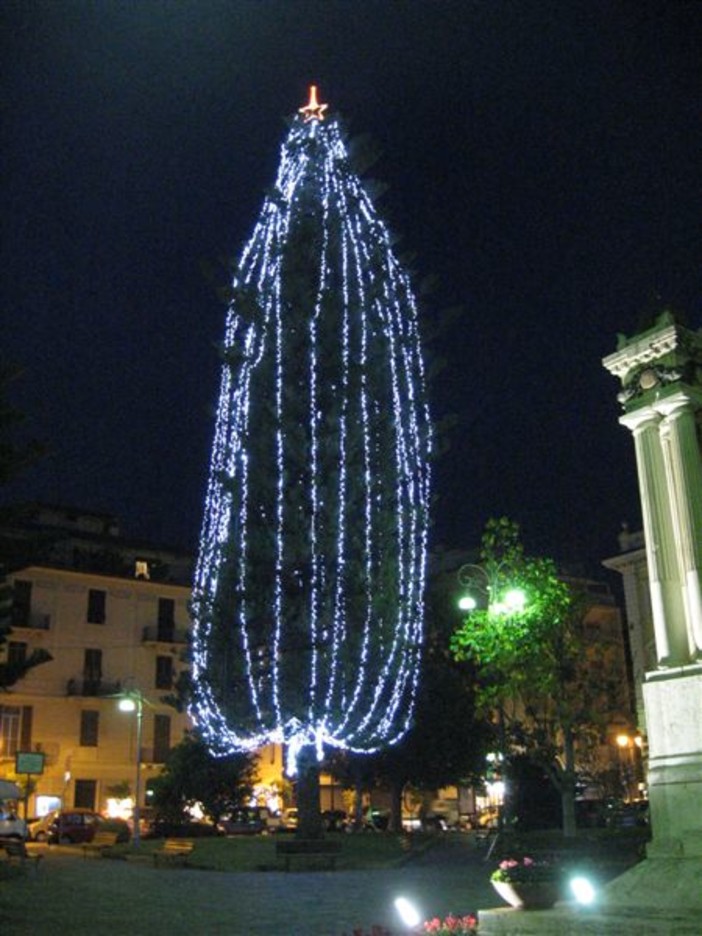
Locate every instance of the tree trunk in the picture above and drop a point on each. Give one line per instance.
(309, 816)
(395, 823)
(568, 785)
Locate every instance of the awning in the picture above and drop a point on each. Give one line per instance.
(9, 790)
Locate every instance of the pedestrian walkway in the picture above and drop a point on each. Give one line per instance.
(135, 899)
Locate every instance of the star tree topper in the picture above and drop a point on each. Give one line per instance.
(313, 110)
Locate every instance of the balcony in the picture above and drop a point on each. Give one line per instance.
(164, 633)
(82, 686)
(154, 755)
(32, 621)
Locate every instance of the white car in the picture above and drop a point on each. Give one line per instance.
(11, 826)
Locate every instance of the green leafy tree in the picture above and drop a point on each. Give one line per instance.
(193, 775)
(531, 659)
(449, 736)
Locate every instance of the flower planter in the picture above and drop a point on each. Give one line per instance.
(528, 895)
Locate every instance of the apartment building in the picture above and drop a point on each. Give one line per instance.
(114, 617)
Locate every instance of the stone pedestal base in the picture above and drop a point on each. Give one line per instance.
(570, 921)
(659, 884)
(662, 895)
(673, 700)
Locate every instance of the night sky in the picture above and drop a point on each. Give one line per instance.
(543, 169)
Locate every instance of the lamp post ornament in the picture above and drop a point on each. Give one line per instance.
(134, 702)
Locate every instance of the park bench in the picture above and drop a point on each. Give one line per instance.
(325, 850)
(174, 851)
(17, 852)
(99, 842)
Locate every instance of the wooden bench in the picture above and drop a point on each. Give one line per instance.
(99, 842)
(174, 851)
(17, 851)
(324, 849)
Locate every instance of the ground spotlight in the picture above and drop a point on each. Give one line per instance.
(583, 890)
(407, 911)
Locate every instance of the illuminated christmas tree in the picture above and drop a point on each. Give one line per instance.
(308, 595)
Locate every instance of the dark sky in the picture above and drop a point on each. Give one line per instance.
(543, 165)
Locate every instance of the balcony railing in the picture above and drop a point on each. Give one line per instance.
(154, 755)
(164, 633)
(82, 686)
(32, 621)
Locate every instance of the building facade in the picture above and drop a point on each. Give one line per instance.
(114, 618)
(631, 564)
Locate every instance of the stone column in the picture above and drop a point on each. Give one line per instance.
(661, 375)
(684, 476)
(666, 593)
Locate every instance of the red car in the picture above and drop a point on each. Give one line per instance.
(72, 826)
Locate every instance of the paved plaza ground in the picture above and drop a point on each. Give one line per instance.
(136, 899)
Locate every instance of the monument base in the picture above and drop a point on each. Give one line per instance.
(662, 895)
(673, 701)
(567, 920)
(658, 897)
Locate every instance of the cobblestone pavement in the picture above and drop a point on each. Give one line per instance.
(152, 901)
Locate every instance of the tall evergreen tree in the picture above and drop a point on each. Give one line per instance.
(308, 597)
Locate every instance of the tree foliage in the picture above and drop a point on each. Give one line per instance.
(533, 664)
(448, 738)
(509, 648)
(193, 775)
(307, 600)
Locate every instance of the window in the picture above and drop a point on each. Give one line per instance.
(92, 671)
(162, 738)
(16, 653)
(164, 672)
(166, 619)
(21, 603)
(84, 796)
(89, 721)
(96, 606)
(9, 730)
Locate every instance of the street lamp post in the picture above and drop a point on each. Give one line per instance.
(627, 746)
(134, 702)
(478, 582)
(483, 592)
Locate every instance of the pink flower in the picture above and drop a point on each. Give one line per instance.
(452, 924)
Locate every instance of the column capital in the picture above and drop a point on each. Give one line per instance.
(657, 363)
(640, 419)
(681, 399)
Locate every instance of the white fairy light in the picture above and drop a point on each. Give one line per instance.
(308, 593)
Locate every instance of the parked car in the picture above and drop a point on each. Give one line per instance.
(39, 827)
(434, 823)
(591, 813)
(335, 820)
(174, 828)
(246, 820)
(628, 815)
(372, 820)
(288, 820)
(489, 818)
(147, 818)
(11, 826)
(73, 826)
